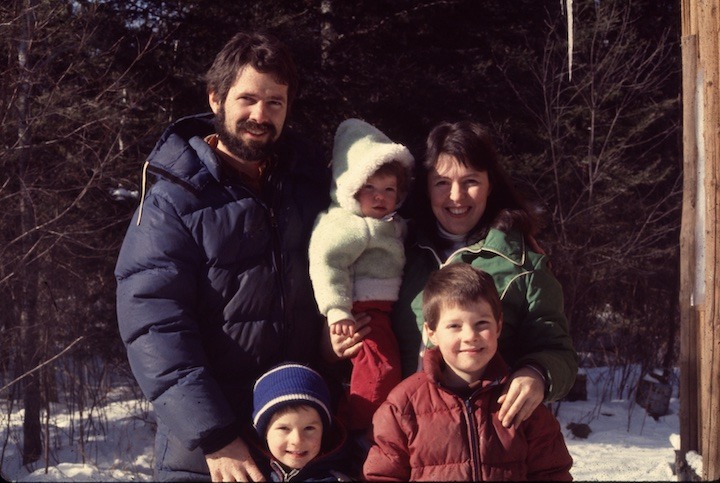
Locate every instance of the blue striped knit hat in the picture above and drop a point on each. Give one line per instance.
(286, 385)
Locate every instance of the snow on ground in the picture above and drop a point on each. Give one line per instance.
(119, 446)
(625, 443)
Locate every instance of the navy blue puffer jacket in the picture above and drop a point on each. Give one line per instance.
(213, 286)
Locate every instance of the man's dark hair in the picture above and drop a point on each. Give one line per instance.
(458, 284)
(264, 52)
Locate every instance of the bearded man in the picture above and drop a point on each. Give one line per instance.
(213, 286)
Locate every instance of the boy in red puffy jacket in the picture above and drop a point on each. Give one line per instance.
(442, 424)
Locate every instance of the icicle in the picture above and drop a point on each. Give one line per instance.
(569, 10)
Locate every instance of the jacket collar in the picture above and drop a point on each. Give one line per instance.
(510, 246)
(182, 155)
(496, 372)
(331, 454)
(284, 474)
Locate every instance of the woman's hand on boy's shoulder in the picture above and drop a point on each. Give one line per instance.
(523, 393)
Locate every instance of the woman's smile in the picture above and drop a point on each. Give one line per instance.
(458, 211)
(458, 194)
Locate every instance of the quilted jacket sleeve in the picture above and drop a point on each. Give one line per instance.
(389, 458)
(542, 335)
(157, 273)
(548, 457)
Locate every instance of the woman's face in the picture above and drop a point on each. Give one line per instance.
(458, 194)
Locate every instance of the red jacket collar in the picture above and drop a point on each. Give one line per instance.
(496, 372)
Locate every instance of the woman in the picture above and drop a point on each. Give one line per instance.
(478, 218)
(472, 214)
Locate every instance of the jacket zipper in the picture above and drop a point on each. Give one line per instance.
(278, 267)
(284, 475)
(274, 192)
(473, 434)
(474, 440)
(276, 254)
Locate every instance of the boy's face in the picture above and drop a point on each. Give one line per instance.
(378, 196)
(467, 339)
(294, 437)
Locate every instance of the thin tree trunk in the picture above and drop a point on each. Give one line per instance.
(328, 35)
(32, 444)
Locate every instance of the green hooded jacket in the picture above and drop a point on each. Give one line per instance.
(535, 329)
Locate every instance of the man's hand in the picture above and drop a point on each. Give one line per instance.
(523, 393)
(338, 346)
(233, 463)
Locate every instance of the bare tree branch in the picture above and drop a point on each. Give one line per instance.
(40, 366)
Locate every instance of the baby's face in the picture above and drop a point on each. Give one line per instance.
(378, 196)
(294, 437)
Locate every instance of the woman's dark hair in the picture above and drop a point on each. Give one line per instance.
(263, 52)
(472, 145)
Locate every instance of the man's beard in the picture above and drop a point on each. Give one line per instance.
(247, 151)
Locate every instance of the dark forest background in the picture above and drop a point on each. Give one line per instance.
(86, 88)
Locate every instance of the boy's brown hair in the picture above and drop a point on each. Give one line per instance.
(458, 284)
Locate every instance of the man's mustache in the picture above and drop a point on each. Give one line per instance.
(250, 125)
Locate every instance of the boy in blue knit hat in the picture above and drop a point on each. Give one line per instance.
(291, 413)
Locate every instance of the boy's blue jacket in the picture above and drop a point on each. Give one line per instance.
(213, 286)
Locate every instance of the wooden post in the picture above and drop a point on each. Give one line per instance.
(689, 404)
(700, 235)
(710, 324)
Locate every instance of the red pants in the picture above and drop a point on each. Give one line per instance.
(376, 368)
